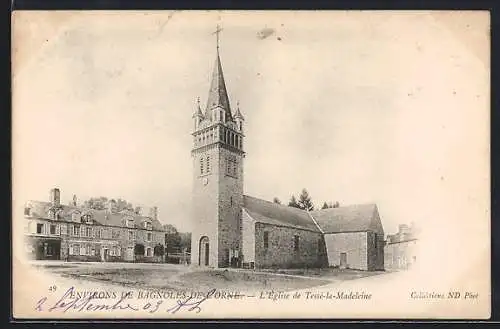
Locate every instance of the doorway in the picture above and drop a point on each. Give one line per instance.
(204, 251)
(343, 260)
(48, 249)
(104, 254)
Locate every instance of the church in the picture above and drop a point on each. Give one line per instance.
(232, 229)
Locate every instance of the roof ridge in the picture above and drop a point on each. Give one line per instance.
(277, 204)
(316, 223)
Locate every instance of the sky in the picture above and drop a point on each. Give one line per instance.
(387, 108)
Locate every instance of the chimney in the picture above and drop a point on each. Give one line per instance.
(74, 202)
(153, 213)
(55, 197)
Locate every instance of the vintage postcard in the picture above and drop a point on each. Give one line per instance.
(230, 164)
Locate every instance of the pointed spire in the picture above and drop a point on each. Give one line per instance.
(237, 114)
(217, 96)
(198, 112)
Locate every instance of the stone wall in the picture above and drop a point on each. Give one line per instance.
(217, 202)
(230, 205)
(353, 244)
(400, 255)
(205, 205)
(248, 238)
(280, 252)
(375, 250)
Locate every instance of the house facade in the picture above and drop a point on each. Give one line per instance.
(401, 248)
(54, 231)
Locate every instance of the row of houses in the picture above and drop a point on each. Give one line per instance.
(76, 233)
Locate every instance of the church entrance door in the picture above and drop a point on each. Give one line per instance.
(204, 251)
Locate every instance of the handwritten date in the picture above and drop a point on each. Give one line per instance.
(91, 304)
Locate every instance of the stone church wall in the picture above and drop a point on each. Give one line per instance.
(280, 252)
(375, 249)
(353, 244)
(248, 239)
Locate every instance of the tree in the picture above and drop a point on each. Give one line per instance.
(97, 203)
(102, 202)
(159, 250)
(335, 204)
(293, 202)
(169, 228)
(305, 202)
(172, 238)
(276, 200)
(185, 241)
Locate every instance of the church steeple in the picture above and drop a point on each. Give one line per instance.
(218, 156)
(217, 96)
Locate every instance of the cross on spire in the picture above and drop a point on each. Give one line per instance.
(216, 32)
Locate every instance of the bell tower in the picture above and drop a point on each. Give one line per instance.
(217, 156)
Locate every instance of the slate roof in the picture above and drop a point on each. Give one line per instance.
(272, 213)
(352, 218)
(217, 96)
(104, 217)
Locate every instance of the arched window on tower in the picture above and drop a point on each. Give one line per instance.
(220, 116)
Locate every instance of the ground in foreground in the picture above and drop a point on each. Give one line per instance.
(182, 278)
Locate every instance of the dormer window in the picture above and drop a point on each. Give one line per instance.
(130, 222)
(148, 225)
(52, 214)
(88, 219)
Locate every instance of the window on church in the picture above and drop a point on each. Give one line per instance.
(295, 243)
(266, 240)
(235, 168)
(208, 164)
(39, 228)
(231, 200)
(240, 125)
(201, 166)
